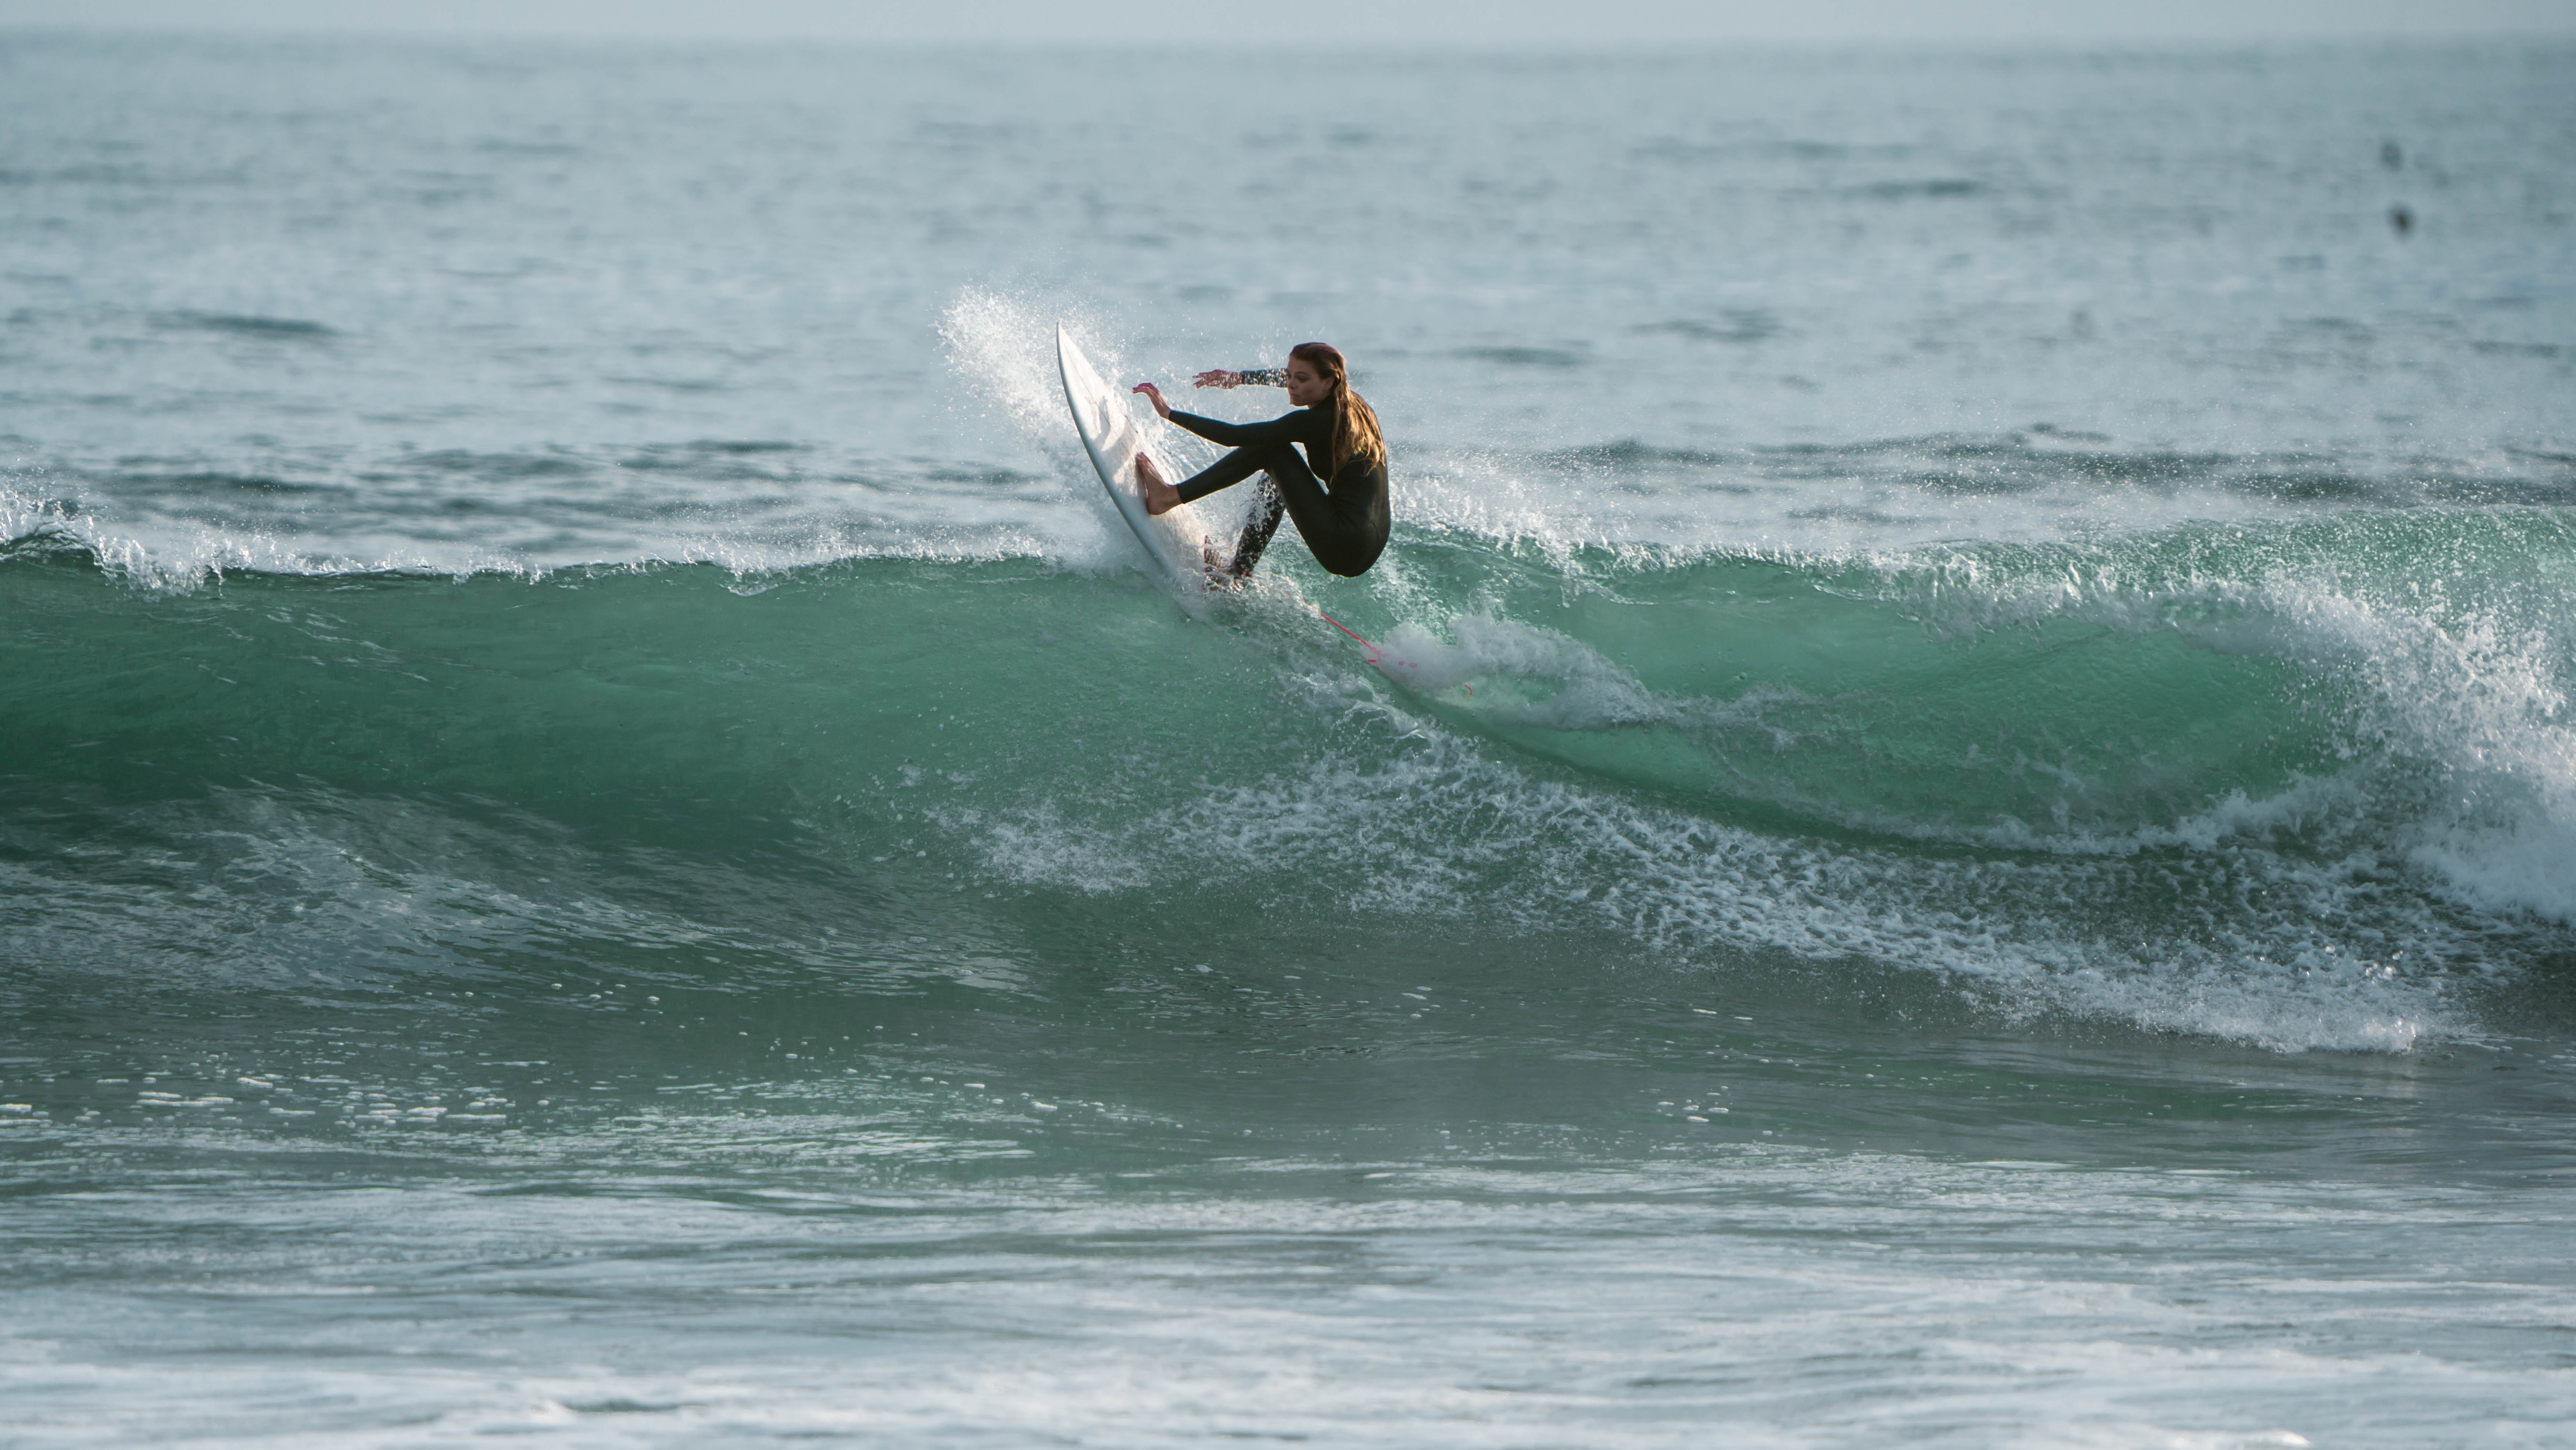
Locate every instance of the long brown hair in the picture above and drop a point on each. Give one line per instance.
(1355, 430)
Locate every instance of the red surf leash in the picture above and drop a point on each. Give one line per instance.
(1355, 639)
(1374, 656)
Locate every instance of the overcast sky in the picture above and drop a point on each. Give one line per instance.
(1335, 22)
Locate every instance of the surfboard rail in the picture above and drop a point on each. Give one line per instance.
(1109, 432)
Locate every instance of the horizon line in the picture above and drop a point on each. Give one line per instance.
(1947, 42)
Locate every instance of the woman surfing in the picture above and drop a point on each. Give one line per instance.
(1336, 492)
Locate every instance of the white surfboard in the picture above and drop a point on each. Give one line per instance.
(1174, 540)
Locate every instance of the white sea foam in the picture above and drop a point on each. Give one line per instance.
(1529, 675)
(1444, 831)
(1796, 1297)
(176, 553)
(179, 555)
(2476, 693)
(1866, 500)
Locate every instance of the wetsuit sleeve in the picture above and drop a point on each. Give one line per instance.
(1297, 427)
(1262, 377)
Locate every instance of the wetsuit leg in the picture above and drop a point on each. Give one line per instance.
(1234, 468)
(1226, 472)
(1340, 546)
(1337, 543)
(1256, 534)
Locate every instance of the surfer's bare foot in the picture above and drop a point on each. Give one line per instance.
(1160, 497)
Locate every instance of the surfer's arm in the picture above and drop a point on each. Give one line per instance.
(1248, 377)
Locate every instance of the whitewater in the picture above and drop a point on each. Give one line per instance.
(1956, 822)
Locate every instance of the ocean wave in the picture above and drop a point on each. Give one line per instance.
(1710, 762)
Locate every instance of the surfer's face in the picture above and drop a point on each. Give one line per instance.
(1306, 387)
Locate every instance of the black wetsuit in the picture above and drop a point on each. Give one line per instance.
(1344, 523)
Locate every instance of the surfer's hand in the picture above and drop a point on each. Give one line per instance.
(1160, 497)
(1218, 378)
(1155, 396)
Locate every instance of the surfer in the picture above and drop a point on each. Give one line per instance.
(1336, 492)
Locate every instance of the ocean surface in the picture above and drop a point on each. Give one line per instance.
(1964, 833)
